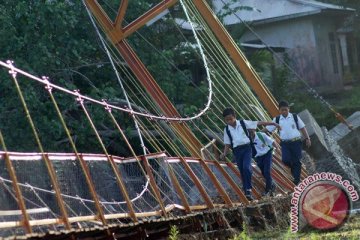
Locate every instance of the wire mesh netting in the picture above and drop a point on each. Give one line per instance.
(42, 205)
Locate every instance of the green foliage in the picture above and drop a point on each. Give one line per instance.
(244, 235)
(57, 39)
(174, 233)
(275, 77)
(229, 8)
(289, 234)
(51, 38)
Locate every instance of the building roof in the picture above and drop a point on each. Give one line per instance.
(264, 11)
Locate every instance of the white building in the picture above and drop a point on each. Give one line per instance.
(312, 34)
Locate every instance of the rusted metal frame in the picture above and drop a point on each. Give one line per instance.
(86, 171)
(187, 136)
(197, 183)
(238, 57)
(237, 173)
(100, 14)
(123, 188)
(20, 200)
(257, 183)
(91, 218)
(283, 179)
(153, 185)
(190, 141)
(235, 187)
(143, 74)
(215, 151)
(116, 171)
(146, 79)
(143, 19)
(158, 96)
(280, 181)
(83, 165)
(280, 176)
(56, 187)
(216, 183)
(114, 34)
(131, 209)
(178, 189)
(48, 164)
(91, 186)
(121, 13)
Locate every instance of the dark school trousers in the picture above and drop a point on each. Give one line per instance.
(243, 160)
(291, 156)
(264, 163)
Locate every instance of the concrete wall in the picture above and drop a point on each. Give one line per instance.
(348, 140)
(290, 34)
(308, 47)
(322, 27)
(297, 36)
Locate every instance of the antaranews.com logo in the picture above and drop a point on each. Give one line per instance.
(322, 200)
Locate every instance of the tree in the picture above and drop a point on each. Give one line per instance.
(56, 38)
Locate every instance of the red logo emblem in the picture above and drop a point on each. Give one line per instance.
(325, 205)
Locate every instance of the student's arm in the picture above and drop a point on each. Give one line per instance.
(304, 132)
(306, 136)
(261, 123)
(227, 144)
(270, 128)
(255, 124)
(226, 150)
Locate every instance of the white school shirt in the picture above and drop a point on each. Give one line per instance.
(238, 135)
(262, 148)
(288, 127)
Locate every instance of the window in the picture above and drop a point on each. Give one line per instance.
(333, 52)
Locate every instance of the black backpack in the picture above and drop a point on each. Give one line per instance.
(242, 123)
(277, 120)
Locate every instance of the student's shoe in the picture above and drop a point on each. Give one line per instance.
(272, 189)
(249, 196)
(270, 192)
(265, 194)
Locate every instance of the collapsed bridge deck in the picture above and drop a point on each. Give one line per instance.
(155, 187)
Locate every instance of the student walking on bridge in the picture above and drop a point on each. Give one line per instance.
(290, 134)
(237, 137)
(264, 146)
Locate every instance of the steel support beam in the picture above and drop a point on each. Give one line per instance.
(238, 57)
(146, 17)
(121, 13)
